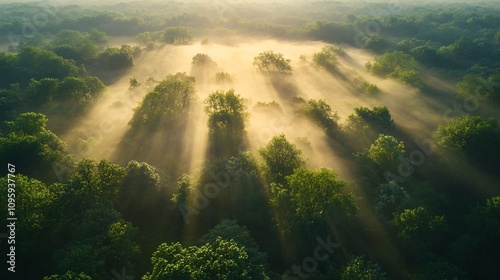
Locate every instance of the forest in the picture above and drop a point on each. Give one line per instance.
(224, 139)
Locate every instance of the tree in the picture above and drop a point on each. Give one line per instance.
(473, 137)
(418, 225)
(113, 58)
(364, 125)
(390, 198)
(226, 114)
(32, 148)
(42, 91)
(376, 43)
(69, 275)
(223, 77)
(32, 63)
(98, 37)
(82, 91)
(384, 155)
(141, 194)
(222, 259)
(482, 225)
(327, 58)
(177, 35)
(133, 83)
(33, 203)
(96, 183)
(360, 269)
(202, 59)
(272, 62)
(227, 117)
(10, 102)
(475, 86)
(167, 103)
(230, 230)
(321, 113)
(437, 270)
(180, 197)
(72, 44)
(319, 196)
(397, 65)
(281, 158)
(101, 243)
(366, 87)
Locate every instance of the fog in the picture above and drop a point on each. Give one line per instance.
(99, 132)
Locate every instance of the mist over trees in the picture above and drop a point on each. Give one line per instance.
(266, 140)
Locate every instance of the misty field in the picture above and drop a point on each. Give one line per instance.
(235, 140)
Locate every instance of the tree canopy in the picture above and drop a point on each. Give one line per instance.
(31, 147)
(169, 101)
(272, 62)
(226, 112)
(281, 158)
(319, 195)
(397, 65)
(473, 137)
(221, 259)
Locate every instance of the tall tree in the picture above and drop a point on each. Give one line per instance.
(167, 103)
(272, 62)
(32, 148)
(281, 158)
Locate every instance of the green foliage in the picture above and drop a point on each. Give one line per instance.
(482, 224)
(230, 230)
(59, 96)
(69, 275)
(223, 77)
(272, 106)
(272, 62)
(141, 193)
(327, 58)
(360, 269)
(438, 270)
(397, 65)
(473, 137)
(366, 88)
(180, 197)
(34, 202)
(462, 51)
(113, 58)
(202, 59)
(167, 103)
(10, 101)
(226, 112)
(364, 125)
(321, 113)
(176, 35)
(31, 147)
(32, 63)
(72, 44)
(134, 83)
(98, 37)
(319, 195)
(217, 260)
(377, 44)
(415, 225)
(384, 155)
(82, 90)
(475, 86)
(96, 183)
(390, 198)
(281, 158)
(102, 242)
